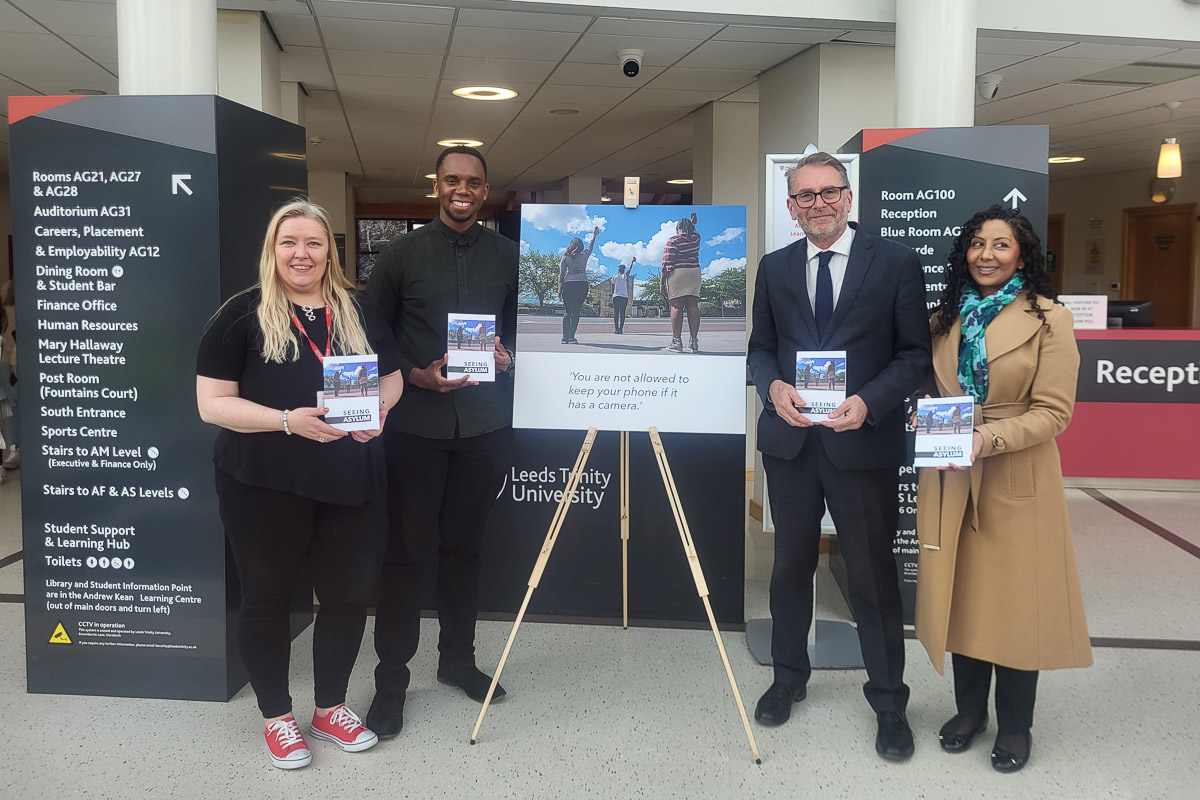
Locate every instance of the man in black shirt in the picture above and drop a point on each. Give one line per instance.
(447, 441)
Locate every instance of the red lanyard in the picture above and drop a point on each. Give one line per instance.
(328, 334)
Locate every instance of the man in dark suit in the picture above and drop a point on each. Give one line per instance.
(837, 289)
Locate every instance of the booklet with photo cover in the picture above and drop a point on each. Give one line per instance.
(945, 426)
(471, 346)
(820, 381)
(351, 392)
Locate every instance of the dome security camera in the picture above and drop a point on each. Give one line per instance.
(986, 86)
(630, 61)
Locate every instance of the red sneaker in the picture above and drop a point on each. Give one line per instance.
(343, 727)
(286, 745)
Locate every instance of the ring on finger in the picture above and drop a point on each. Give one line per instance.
(321, 440)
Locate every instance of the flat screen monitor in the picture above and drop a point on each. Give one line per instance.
(1130, 314)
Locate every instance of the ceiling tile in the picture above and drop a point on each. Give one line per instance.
(985, 63)
(12, 20)
(581, 96)
(322, 99)
(621, 26)
(724, 80)
(522, 20)
(306, 64)
(393, 65)
(1052, 69)
(392, 87)
(84, 74)
(740, 55)
(296, 29)
(103, 82)
(1178, 57)
(1018, 47)
(385, 37)
(675, 98)
(97, 48)
(42, 47)
(599, 49)
(375, 10)
(758, 33)
(495, 71)
(589, 76)
(70, 16)
(518, 44)
(1120, 52)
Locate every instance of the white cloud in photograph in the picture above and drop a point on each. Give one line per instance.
(570, 220)
(719, 265)
(649, 254)
(727, 235)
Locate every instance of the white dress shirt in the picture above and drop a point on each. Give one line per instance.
(837, 266)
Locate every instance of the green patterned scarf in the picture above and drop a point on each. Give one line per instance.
(977, 313)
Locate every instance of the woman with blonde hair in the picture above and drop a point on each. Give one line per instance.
(291, 488)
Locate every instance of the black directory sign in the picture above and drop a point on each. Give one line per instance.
(918, 186)
(133, 218)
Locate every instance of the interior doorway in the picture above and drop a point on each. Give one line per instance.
(1054, 251)
(1160, 258)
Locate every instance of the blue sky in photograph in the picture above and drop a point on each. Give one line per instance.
(641, 232)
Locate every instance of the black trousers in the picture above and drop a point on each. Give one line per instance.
(1016, 691)
(573, 294)
(271, 534)
(439, 490)
(619, 305)
(863, 506)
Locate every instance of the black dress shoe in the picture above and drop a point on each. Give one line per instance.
(473, 682)
(894, 741)
(775, 706)
(953, 739)
(386, 715)
(1004, 761)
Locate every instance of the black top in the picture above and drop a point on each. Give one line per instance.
(421, 277)
(344, 471)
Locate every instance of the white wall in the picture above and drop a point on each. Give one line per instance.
(1094, 209)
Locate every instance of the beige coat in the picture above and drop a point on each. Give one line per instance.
(996, 577)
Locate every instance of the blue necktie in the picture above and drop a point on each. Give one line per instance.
(823, 308)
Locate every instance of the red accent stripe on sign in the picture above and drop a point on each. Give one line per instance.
(877, 137)
(21, 107)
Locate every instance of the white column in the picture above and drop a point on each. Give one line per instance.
(167, 47)
(586, 190)
(291, 102)
(333, 192)
(935, 63)
(247, 61)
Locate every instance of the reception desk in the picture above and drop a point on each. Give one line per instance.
(1137, 408)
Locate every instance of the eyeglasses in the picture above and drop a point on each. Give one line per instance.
(830, 194)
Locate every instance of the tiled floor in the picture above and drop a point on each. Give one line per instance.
(601, 712)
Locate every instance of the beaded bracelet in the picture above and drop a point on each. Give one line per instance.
(283, 419)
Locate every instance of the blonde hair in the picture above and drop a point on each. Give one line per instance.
(274, 309)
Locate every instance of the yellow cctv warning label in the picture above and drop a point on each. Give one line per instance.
(60, 635)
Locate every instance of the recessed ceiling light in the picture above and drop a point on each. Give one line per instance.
(88, 91)
(431, 194)
(484, 93)
(460, 143)
(680, 181)
(1064, 159)
(605, 199)
(432, 175)
(566, 112)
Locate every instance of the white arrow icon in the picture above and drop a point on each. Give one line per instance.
(177, 183)
(1012, 197)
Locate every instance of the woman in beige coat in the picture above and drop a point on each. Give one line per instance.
(997, 585)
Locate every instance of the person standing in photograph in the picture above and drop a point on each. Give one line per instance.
(573, 283)
(997, 585)
(839, 288)
(622, 288)
(956, 419)
(361, 375)
(291, 489)
(448, 446)
(679, 282)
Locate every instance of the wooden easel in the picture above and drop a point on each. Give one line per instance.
(689, 550)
